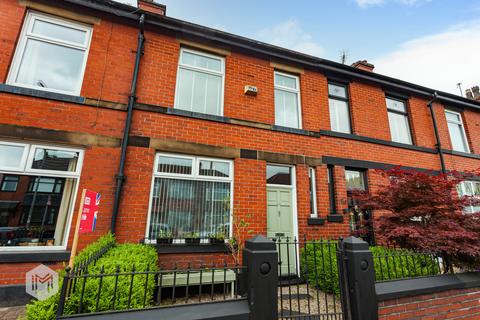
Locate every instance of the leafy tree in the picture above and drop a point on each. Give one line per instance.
(422, 211)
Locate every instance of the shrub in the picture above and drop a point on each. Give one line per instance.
(123, 257)
(323, 258)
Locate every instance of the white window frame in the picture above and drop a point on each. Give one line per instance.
(23, 160)
(464, 135)
(193, 176)
(203, 70)
(296, 91)
(463, 187)
(48, 173)
(402, 113)
(26, 34)
(313, 181)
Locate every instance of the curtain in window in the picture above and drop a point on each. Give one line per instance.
(184, 206)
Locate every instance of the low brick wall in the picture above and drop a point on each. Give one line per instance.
(450, 304)
(439, 297)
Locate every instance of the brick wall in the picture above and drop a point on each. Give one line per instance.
(450, 304)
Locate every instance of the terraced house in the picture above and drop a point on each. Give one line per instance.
(187, 131)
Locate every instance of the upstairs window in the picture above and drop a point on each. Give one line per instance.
(200, 82)
(338, 107)
(398, 120)
(456, 131)
(51, 54)
(287, 100)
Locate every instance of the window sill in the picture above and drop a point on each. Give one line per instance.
(40, 93)
(34, 256)
(335, 218)
(315, 221)
(193, 248)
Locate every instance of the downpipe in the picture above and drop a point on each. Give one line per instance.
(435, 130)
(120, 176)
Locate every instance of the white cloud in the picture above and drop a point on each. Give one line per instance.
(290, 35)
(372, 3)
(438, 61)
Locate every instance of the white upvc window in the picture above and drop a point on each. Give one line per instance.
(190, 196)
(398, 121)
(338, 108)
(287, 100)
(200, 82)
(313, 192)
(39, 184)
(51, 54)
(458, 138)
(471, 189)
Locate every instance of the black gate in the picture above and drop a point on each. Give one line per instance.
(311, 279)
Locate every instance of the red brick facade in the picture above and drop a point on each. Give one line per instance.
(97, 125)
(450, 304)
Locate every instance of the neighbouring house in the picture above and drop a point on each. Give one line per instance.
(208, 128)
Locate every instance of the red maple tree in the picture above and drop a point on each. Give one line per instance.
(423, 211)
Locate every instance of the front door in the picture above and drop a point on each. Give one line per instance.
(280, 226)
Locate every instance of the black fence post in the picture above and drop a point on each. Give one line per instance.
(360, 277)
(261, 261)
(63, 293)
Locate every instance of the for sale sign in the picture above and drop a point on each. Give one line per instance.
(89, 211)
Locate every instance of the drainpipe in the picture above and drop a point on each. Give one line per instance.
(120, 177)
(435, 129)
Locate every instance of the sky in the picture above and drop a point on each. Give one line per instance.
(435, 43)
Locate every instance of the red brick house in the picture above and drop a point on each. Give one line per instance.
(217, 127)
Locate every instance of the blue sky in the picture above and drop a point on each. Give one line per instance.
(407, 39)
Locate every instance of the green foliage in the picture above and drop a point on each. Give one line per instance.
(106, 240)
(124, 257)
(164, 234)
(389, 264)
(191, 235)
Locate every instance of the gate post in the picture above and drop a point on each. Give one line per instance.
(360, 277)
(261, 261)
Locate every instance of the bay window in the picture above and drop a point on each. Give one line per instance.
(200, 82)
(190, 196)
(38, 185)
(456, 131)
(287, 100)
(470, 189)
(338, 108)
(51, 54)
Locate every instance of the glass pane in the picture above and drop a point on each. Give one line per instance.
(168, 164)
(57, 160)
(285, 81)
(354, 180)
(8, 183)
(11, 156)
(59, 32)
(189, 208)
(399, 128)
(36, 213)
(185, 89)
(339, 116)
(279, 175)
(199, 92)
(213, 95)
(457, 138)
(286, 109)
(336, 90)
(214, 168)
(311, 183)
(455, 117)
(397, 105)
(200, 61)
(47, 65)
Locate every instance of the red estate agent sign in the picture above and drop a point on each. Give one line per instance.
(86, 219)
(89, 211)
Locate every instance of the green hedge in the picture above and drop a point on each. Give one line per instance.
(323, 258)
(125, 256)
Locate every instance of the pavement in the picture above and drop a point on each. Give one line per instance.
(12, 313)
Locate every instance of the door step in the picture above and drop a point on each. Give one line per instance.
(289, 281)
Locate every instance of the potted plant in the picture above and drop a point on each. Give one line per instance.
(216, 238)
(164, 237)
(192, 238)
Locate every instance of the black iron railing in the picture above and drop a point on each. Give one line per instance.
(83, 265)
(83, 292)
(393, 263)
(308, 286)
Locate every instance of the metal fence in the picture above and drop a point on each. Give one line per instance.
(309, 282)
(83, 292)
